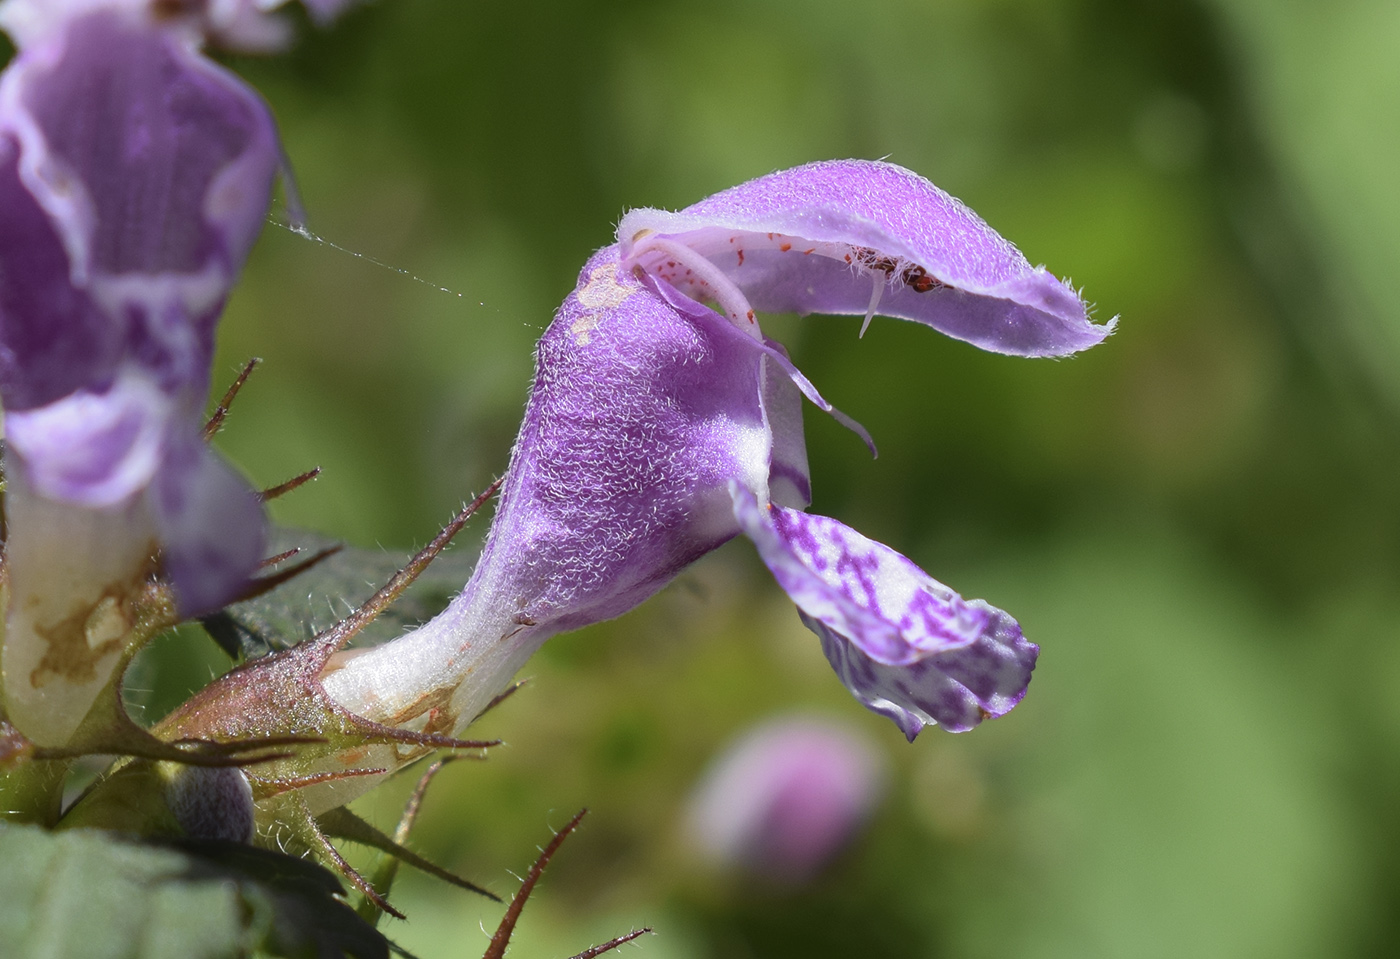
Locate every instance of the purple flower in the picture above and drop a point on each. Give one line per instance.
(658, 428)
(783, 798)
(250, 25)
(134, 177)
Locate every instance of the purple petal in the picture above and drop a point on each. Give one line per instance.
(210, 522)
(821, 238)
(97, 451)
(94, 449)
(251, 25)
(688, 306)
(645, 407)
(155, 168)
(135, 174)
(956, 690)
(789, 482)
(906, 646)
(640, 417)
(151, 157)
(53, 338)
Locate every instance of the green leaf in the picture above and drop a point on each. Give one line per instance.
(317, 598)
(92, 895)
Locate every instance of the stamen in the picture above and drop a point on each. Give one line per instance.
(874, 301)
(691, 273)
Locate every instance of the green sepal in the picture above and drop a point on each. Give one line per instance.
(386, 866)
(341, 823)
(130, 799)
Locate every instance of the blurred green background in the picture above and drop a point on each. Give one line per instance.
(1199, 521)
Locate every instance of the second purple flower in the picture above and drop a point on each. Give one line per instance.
(135, 173)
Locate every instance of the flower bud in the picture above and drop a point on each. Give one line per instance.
(785, 797)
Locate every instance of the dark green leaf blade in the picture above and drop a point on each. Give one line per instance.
(84, 894)
(317, 598)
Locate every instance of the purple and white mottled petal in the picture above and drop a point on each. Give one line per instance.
(210, 521)
(905, 645)
(956, 689)
(895, 611)
(94, 449)
(824, 237)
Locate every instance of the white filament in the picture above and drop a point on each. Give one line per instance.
(879, 281)
(652, 251)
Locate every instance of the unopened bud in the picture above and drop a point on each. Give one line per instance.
(211, 803)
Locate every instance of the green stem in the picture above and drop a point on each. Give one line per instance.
(31, 791)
